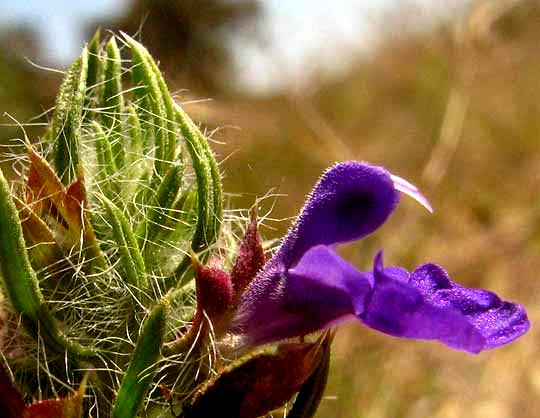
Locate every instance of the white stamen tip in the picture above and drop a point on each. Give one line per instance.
(411, 190)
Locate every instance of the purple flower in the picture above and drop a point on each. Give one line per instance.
(306, 286)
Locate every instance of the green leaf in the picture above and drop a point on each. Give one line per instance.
(130, 257)
(145, 79)
(160, 207)
(146, 75)
(180, 223)
(145, 119)
(209, 202)
(112, 101)
(21, 284)
(203, 160)
(107, 166)
(138, 377)
(136, 168)
(67, 120)
(92, 74)
(135, 131)
(171, 149)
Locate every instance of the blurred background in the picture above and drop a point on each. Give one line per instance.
(444, 94)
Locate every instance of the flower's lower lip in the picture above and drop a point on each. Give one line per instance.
(409, 189)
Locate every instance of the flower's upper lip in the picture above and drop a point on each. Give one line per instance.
(349, 202)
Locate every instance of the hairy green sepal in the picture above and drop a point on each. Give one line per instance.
(21, 283)
(138, 377)
(67, 119)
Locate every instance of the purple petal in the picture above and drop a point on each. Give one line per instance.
(350, 201)
(319, 292)
(499, 322)
(430, 306)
